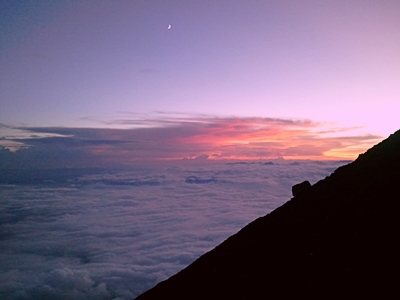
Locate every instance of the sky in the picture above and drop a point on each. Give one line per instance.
(228, 79)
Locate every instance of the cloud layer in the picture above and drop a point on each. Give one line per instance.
(107, 234)
(182, 137)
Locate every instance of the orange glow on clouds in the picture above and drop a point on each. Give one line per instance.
(236, 138)
(200, 138)
(263, 138)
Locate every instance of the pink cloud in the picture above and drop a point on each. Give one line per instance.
(237, 138)
(200, 138)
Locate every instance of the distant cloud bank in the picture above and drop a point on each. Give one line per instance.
(192, 138)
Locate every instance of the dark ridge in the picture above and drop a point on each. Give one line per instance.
(340, 238)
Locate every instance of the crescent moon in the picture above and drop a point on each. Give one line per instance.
(169, 27)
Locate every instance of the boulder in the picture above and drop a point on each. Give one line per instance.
(300, 188)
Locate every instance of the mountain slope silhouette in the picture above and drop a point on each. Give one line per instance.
(338, 238)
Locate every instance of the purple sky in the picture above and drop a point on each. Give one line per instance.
(99, 64)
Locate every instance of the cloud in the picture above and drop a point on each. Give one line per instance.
(112, 234)
(197, 180)
(187, 137)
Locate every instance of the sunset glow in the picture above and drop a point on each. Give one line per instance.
(194, 139)
(229, 80)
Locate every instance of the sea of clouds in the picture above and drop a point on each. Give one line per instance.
(113, 234)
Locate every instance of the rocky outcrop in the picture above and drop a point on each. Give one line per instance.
(300, 188)
(338, 239)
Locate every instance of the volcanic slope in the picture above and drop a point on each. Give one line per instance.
(341, 237)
